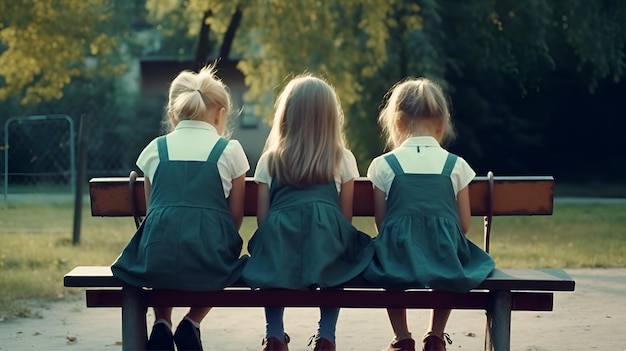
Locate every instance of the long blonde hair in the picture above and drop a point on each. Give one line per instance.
(195, 96)
(409, 102)
(306, 143)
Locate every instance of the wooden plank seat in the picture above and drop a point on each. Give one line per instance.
(356, 293)
(505, 290)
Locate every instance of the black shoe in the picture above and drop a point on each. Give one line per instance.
(161, 338)
(187, 336)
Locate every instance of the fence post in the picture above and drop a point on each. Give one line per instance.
(83, 135)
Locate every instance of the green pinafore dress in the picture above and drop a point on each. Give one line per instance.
(305, 242)
(420, 243)
(188, 240)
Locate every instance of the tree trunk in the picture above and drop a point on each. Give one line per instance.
(229, 36)
(204, 44)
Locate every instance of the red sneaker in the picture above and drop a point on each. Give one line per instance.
(274, 344)
(321, 344)
(402, 345)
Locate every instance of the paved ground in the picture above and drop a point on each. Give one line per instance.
(591, 318)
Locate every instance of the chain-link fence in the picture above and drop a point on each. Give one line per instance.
(40, 153)
(112, 118)
(39, 150)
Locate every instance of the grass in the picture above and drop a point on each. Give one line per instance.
(37, 251)
(575, 236)
(591, 188)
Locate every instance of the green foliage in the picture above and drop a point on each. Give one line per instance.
(119, 126)
(177, 26)
(44, 45)
(342, 41)
(596, 32)
(496, 59)
(520, 76)
(487, 54)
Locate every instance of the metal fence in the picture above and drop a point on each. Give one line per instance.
(40, 152)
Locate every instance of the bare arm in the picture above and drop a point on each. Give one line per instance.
(262, 203)
(346, 197)
(236, 199)
(380, 206)
(147, 188)
(463, 207)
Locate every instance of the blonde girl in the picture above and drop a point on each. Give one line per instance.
(422, 209)
(194, 185)
(305, 186)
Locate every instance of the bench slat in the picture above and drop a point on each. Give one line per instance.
(522, 301)
(531, 195)
(499, 279)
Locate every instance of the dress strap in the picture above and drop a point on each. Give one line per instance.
(449, 165)
(162, 148)
(392, 160)
(219, 147)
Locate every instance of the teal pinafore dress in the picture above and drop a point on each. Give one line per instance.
(188, 240)
(420, 243)
(306, 242)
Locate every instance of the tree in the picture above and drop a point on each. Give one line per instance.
(45, 44)
(494, 57)
(267, 31)
(343, 41)
(488, 54)
(503, 57)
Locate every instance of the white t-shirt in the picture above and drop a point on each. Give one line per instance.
(429, 160)
(193, 141)
(348, 170)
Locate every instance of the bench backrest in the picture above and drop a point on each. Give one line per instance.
(489, 196)
(506, 196)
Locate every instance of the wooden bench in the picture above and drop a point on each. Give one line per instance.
(505, 290)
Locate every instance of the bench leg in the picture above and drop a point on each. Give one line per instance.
(498, 334)
(134, 333)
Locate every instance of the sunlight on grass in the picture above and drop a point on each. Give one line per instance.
(37, 250)
(576, 235)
